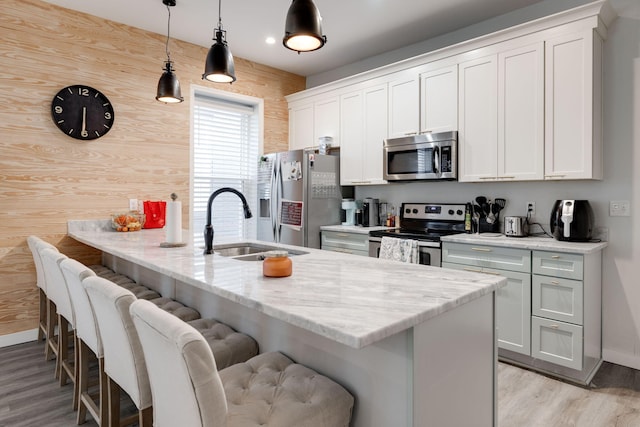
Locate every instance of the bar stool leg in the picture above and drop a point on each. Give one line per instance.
(113, 391)
(42, 322)
(51, 349)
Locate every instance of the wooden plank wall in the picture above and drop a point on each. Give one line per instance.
(47, 178)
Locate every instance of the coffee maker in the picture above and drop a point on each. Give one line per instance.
(572, 220)
(370, 217)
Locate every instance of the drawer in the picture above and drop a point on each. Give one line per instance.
(558, 264)
(487, 256)
(340, 240)
(557, 299)
(345, 250)
(556, 342)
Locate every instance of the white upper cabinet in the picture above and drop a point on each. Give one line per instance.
(363, 128)
(439, 100)
(477, 119)
(404, 104)
(327, 120)
(501, 116)
(521, 113)
(301, 126)
(310, 121)
(573, 134)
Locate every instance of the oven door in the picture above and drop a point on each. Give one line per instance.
(429, 253)
(408, 159)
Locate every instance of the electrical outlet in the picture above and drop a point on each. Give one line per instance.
(619, 208)
(133, 204)
(531, 208)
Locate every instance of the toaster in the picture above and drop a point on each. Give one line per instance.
(516, 226)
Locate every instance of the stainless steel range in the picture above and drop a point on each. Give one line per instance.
(426, 223)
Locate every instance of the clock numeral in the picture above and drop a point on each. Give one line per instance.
(84, 134)
(107, 115)
(97, 134)
(83, 91)
(70, 131)
(58, 109)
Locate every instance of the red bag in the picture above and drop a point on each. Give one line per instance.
(155, 211)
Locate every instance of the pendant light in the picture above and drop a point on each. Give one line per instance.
(219, 65)
(303, 27)
(168, 85)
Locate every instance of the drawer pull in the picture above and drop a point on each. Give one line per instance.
(554, 326)
(555, 256)
(473, 270)
(488, 177)
(481, 249)
(555, 282)
(342, 234)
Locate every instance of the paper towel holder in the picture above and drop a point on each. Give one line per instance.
(174, 197)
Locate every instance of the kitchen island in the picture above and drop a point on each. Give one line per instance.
(415, 345)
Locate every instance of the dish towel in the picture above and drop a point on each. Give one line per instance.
(403, 250)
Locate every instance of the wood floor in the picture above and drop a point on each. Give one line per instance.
(29, 396)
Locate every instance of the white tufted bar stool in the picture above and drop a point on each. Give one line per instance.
(124, 363)
(58, 293)
(47, 317)
(268, 390)
(88, 343)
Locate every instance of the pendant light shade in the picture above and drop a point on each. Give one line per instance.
(303, 27)
(219, 66)
(168, 85)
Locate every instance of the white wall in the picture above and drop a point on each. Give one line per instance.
(621, 260)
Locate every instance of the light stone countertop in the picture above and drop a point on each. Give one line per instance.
(532, 243)
(353, 228)
(350, 299)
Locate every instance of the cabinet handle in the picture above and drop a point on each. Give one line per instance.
(481, 249)
(361, 182)
(472, 270)
(345, 251)
(426, 131)
(488, 177)
(555, 282)
(555, 256)
(342, 234)
(506, 177)
(410, 133)
(554, 176)
(554, 326)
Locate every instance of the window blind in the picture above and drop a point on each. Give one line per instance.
(225, 152)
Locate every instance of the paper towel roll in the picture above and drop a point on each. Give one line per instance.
(174, 222)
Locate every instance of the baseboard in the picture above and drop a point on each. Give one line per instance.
(624, 359)
(18, 338)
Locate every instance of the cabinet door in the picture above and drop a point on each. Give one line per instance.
(404, 105)
(301, 127)
(556, 342)
(513, 312)
(375, 132)
(351, 135)
(327, 120)
(439, 100)
(521, 113)
(571, 135)
(477, 119)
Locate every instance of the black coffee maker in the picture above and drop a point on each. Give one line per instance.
(572, 220)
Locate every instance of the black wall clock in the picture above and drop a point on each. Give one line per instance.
(82, 112)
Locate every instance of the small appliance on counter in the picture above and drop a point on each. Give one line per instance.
(572, 220)
(516, 226)
(370, 216)
(349, 206)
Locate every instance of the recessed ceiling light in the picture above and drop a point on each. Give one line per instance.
(270, 40)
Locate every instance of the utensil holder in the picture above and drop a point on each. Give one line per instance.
(485, 227)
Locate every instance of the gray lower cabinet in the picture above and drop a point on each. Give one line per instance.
(345, 242)
(549, 314)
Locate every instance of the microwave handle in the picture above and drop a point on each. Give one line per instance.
(436, 160)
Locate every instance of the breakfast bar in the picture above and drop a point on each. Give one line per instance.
(412, 343)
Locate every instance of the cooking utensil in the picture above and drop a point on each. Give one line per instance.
(481, 200)
(491, 217)
(501, 203)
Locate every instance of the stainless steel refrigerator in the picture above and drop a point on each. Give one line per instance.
(298, 192)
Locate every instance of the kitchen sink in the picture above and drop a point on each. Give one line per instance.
(249, 251)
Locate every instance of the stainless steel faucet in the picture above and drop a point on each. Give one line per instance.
(208, 229)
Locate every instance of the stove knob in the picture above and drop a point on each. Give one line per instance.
(415, 211)
(459, 212)
(408, 210)
(451, 212)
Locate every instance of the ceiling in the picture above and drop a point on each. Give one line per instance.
(355, 29)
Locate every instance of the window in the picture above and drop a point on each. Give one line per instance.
(226, 135)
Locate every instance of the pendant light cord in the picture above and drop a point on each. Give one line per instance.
(220, 14)
(166, 46)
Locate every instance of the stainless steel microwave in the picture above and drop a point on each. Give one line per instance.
(421, 157)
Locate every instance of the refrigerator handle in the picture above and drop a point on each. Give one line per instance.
(273, 208)
(280, 191)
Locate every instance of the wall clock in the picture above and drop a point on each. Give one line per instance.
(82, 112)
